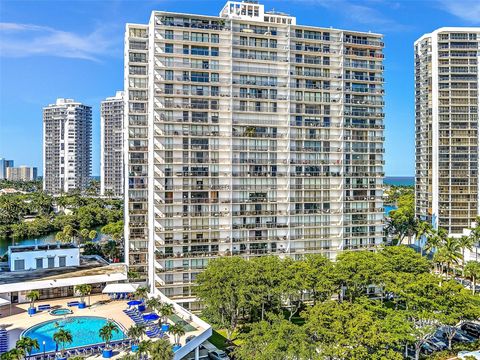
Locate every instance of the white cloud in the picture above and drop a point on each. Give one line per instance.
(468, 10)
(24, 40)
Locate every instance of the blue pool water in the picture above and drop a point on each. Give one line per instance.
(389, 208)
(84, 331)
(57, 312)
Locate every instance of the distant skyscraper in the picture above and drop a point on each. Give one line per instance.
(4, 164)
(67, 146)
(446, 127)
(248, 135)
(22, 173)
(111, 161)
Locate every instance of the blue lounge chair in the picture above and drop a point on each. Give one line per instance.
(44, 307)
(72, 303)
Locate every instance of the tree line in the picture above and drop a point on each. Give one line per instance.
(366, 305)
(78, 212)
(447, 252)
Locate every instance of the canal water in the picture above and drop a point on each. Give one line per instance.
(50, 238)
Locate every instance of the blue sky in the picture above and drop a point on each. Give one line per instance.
(74, 49)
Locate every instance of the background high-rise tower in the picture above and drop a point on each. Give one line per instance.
(111, 139)
(248, 134)
(67, 146)
(446, 127)
(4, 165)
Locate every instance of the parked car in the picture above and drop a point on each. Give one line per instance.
(428, 348)
(218, 355)
(460, 336)
(229, 351)
(471, 329)
(438, 343)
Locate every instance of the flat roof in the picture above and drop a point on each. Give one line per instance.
(41, 247)
(91, 270)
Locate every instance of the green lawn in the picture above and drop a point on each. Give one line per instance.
(218, 340)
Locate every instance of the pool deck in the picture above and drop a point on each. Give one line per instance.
(15, 318)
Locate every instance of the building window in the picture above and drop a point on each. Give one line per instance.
(19, 264)
(62, 261)
(39, 263)
(169, 48)
(51, 262)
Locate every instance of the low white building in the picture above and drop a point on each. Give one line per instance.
(45, 256)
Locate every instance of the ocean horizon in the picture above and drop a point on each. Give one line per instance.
(399, 180)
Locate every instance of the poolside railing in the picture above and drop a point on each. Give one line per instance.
(82, 350)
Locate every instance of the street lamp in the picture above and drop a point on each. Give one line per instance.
(43, 343)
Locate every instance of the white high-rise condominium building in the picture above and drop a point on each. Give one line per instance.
(248, 135)
(67, 146)
(446, 127)
(111, 134)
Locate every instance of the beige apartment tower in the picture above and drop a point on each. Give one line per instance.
(446, 127)
(249, 135)
(111, 148)
(22, 173)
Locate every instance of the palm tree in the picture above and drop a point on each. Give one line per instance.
(141, 292)
(14, 354)
(451, 251)
(132, 274)
(106, 332)
(62, 337)
(439, 260)
(135, 332)
(423, 228)
(60, 237)
(83, 290)
(161, 350)
(84, 234)
(33, 296)
(68, 233)
(435, 239)
(177, 331)
(154, 303)
(92, 234)
(165, 311)
(472, 271)
(144, 347)
(27, 344)
(465, 242)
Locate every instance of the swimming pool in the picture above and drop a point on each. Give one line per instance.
(59, 312)
(84, 331)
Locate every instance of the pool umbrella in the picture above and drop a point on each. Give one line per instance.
(151, 316)
(134, 302)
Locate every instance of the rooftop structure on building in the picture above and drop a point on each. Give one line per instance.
(248, 134)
